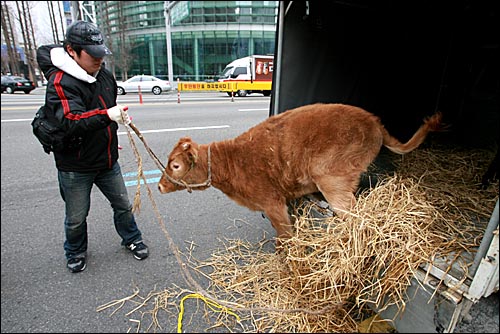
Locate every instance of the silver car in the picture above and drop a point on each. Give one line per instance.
(146, 84)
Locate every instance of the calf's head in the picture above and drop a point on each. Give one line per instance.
(183, 169)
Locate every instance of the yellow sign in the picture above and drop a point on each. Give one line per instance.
(255, 86)
(217, 86)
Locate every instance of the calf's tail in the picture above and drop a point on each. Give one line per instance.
(431, 124)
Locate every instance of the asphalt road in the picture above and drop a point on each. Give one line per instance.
(38, 292)
(40, 295)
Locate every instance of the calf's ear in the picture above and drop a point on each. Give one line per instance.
(191, 151)
(185, 140)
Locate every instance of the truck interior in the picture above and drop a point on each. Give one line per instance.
(402, 61)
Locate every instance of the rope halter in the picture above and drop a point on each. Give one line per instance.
(189, 187)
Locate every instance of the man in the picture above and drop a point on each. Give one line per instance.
(82, 94)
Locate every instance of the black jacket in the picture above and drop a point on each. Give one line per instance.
(80, 102)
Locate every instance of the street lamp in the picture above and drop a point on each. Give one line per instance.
(168, 5)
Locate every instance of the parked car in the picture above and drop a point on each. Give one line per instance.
(147, 83)
(11, 84)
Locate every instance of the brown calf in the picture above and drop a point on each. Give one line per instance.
(319, 147)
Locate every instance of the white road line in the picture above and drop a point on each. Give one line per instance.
(17, 120)
(182, 129)
(253, 109)
(146, 131)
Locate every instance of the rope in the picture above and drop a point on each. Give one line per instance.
(151, 153)
(187, 276)
(211, 304)
(180, 183)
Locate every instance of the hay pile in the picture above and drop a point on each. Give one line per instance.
(332, 270)
(343, 264)
(432, 206)
(452, 180)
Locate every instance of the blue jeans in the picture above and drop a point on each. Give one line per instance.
(75, 188)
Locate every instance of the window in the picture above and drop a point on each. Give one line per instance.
(239, 70)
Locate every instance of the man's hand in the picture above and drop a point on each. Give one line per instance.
(119, 114)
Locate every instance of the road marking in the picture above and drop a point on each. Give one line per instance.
(17, 120)
(253, 109)
(148, 180)
(181, 129)
(148, 172)
(134, 183)
(146, 131)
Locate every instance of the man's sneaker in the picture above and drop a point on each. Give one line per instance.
(76, 265)
(139, 249)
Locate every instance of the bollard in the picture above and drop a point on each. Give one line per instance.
(178, 92)
(232, 95)
(140, 95)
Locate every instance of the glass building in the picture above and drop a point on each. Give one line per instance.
(205, 35)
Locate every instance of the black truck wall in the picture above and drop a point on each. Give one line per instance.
(401, 60)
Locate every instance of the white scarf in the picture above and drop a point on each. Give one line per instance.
(61, 59)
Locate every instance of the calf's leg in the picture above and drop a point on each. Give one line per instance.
(278, 215)
(339, 192)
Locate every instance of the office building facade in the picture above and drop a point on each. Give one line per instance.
(204, 35)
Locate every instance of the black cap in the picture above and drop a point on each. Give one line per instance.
(89, 37)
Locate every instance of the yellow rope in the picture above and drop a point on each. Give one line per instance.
(211, 304)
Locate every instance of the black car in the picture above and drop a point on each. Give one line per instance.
(11, 84)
